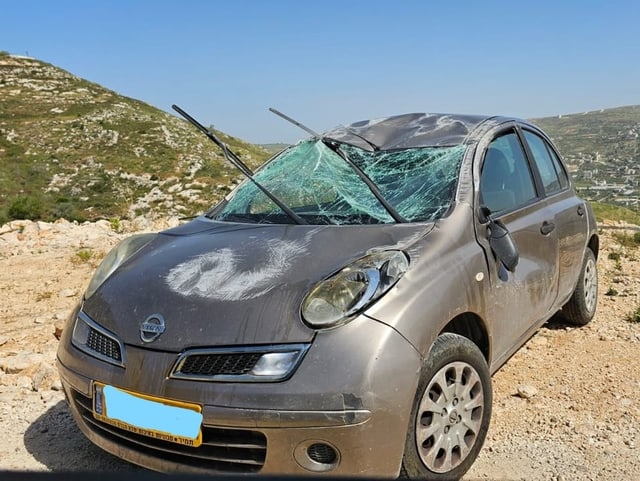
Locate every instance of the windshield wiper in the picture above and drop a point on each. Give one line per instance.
(334, 145)
(241, 166)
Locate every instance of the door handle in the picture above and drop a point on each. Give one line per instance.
(581, 210)
(547, 227)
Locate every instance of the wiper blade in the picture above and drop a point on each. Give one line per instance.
(334, 145)
(295, 122)
(241, 166)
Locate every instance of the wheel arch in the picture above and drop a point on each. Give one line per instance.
(471, 326)
(594, 245)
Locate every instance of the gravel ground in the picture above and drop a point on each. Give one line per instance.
(566, 406)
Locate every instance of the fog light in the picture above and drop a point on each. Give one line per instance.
(317, 456)
(322, 453)
(276, 364)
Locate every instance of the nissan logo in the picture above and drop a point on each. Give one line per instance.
(151, 328)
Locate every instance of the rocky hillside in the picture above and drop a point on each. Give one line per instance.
(74, 149)
(613, 133)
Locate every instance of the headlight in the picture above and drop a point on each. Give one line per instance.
(115, 258)
(353, 288)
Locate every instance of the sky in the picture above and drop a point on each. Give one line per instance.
(328, 62)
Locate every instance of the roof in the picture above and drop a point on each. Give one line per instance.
(410, 130)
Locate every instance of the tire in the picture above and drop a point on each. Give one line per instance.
(453, 406)
(581, 307)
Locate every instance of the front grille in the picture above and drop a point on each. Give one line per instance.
(222, 450)
(98, 342)
(228, 364)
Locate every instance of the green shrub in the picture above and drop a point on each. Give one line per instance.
(627, 240)
(611, 292)
(63, 208)
(115, 224)
(615, 213)
(634, 316)
(26, 207)
(83, 256)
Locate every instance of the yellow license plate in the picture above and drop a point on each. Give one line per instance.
(165, 419)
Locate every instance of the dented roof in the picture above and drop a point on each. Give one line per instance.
(412, 130)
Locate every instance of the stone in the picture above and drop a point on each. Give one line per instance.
(526, 391)
(23, 382)
(44, 226)
(68, 293)
(58, 328)
(18, 363)
(43, 378)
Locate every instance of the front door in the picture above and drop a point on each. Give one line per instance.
(516, 301)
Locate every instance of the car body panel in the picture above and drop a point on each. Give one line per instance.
(265, 269)
(531, 289)
(413, 130)
(358, 402)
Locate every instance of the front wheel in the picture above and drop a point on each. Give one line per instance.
(451, 412)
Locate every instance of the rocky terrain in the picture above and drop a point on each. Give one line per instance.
(566, 406)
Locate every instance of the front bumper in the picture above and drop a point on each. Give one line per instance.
(352, 393)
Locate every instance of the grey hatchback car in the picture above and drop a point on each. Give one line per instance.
(339, 312)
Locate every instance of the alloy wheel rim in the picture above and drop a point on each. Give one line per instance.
(590, 285)
(449, 417)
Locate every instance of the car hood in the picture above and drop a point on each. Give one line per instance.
(226, 284)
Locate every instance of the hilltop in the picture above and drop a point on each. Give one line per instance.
(72, 148)
(602, 149)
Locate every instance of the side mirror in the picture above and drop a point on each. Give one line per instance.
(500, 240)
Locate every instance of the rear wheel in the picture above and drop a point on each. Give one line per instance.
(451, 412)
(581, 308)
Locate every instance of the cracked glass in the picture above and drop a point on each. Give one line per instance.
(322, 188)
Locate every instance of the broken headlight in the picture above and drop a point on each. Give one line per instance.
(352, 289)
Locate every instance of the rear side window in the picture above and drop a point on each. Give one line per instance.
(506, 182)
(554, 178)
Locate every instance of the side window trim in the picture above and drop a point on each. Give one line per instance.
(558, 164)
(532, 163)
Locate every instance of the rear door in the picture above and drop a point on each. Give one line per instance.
(516, 301)
(570, 212)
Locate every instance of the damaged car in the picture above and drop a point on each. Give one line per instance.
(342, 310)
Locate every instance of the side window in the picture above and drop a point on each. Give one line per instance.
(506, 181)
(562, 174)
(553, 176)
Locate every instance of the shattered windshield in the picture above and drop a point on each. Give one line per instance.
(321, 187)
